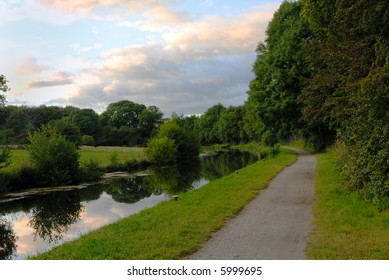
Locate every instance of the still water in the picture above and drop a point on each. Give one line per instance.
(36, 224)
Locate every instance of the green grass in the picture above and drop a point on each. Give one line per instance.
(101, 155)
(174, 229)
(345, 226)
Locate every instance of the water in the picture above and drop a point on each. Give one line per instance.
(36, 224)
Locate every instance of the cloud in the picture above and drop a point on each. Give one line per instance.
(196, 63)
(95, 7)
(60, 79)
(31, 66)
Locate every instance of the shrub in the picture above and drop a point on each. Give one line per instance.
(90, 172)
(88, 140)
(54, 157)
(187, 141)
(161, 150)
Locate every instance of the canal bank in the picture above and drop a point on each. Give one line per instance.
(174, 229)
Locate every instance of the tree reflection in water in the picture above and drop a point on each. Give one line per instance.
(52, 219)
(128, 190)
(7, 240)
(176, 178)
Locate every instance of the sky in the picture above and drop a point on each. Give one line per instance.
(182, 56)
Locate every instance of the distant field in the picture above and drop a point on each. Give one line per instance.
(98, 154)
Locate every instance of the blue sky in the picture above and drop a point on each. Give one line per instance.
(182, 56)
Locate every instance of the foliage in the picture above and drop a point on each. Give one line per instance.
(348, 87)
(55, 158)
(7, 240)
(5, 150)
(69, 131)
(122, 113)
(86, 120)
(230, 127)
(109, 129)
(87, 140)
(207, 125)
(149, 120)
(279, 72)
(161, 150)
(90, 171)
(186, 141)
(4, 88)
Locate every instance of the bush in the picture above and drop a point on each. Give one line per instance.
(91, 172)
(187, 141)
(54, 157)
(161, 150)
(88, 140)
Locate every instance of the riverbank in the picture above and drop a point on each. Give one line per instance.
(174, 229)
(345, 226)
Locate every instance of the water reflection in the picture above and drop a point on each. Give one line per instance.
(53, 217)
(37, 223)
(177, 178)
(7, 240)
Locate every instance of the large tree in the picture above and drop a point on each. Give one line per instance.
(279, 73)
(348, 88)
(122, 113)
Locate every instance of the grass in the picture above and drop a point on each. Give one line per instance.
(101, 155)
(174, 229)
(345, 225)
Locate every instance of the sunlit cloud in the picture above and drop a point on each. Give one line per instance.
(60, 79)
(31, 66)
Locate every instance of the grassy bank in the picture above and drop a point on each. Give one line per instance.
(345, 226)
(102, 155)
(174, 229)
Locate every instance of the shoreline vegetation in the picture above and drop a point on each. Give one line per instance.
(170, 230)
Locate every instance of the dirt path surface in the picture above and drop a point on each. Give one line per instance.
(275, 225)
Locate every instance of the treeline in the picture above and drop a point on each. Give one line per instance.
(124, 123)
(323, 74)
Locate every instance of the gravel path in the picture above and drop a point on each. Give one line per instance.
(275, 225)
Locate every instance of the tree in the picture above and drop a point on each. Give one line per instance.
(149, 120)
(161, 150)
(230, 126)
(207, 125)
(187, 142)
(348, 87)
(87, 121)
(122, 113)
(69, 130)
(5, 150)
(4, 88)
(55, 159)
(279, 73)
